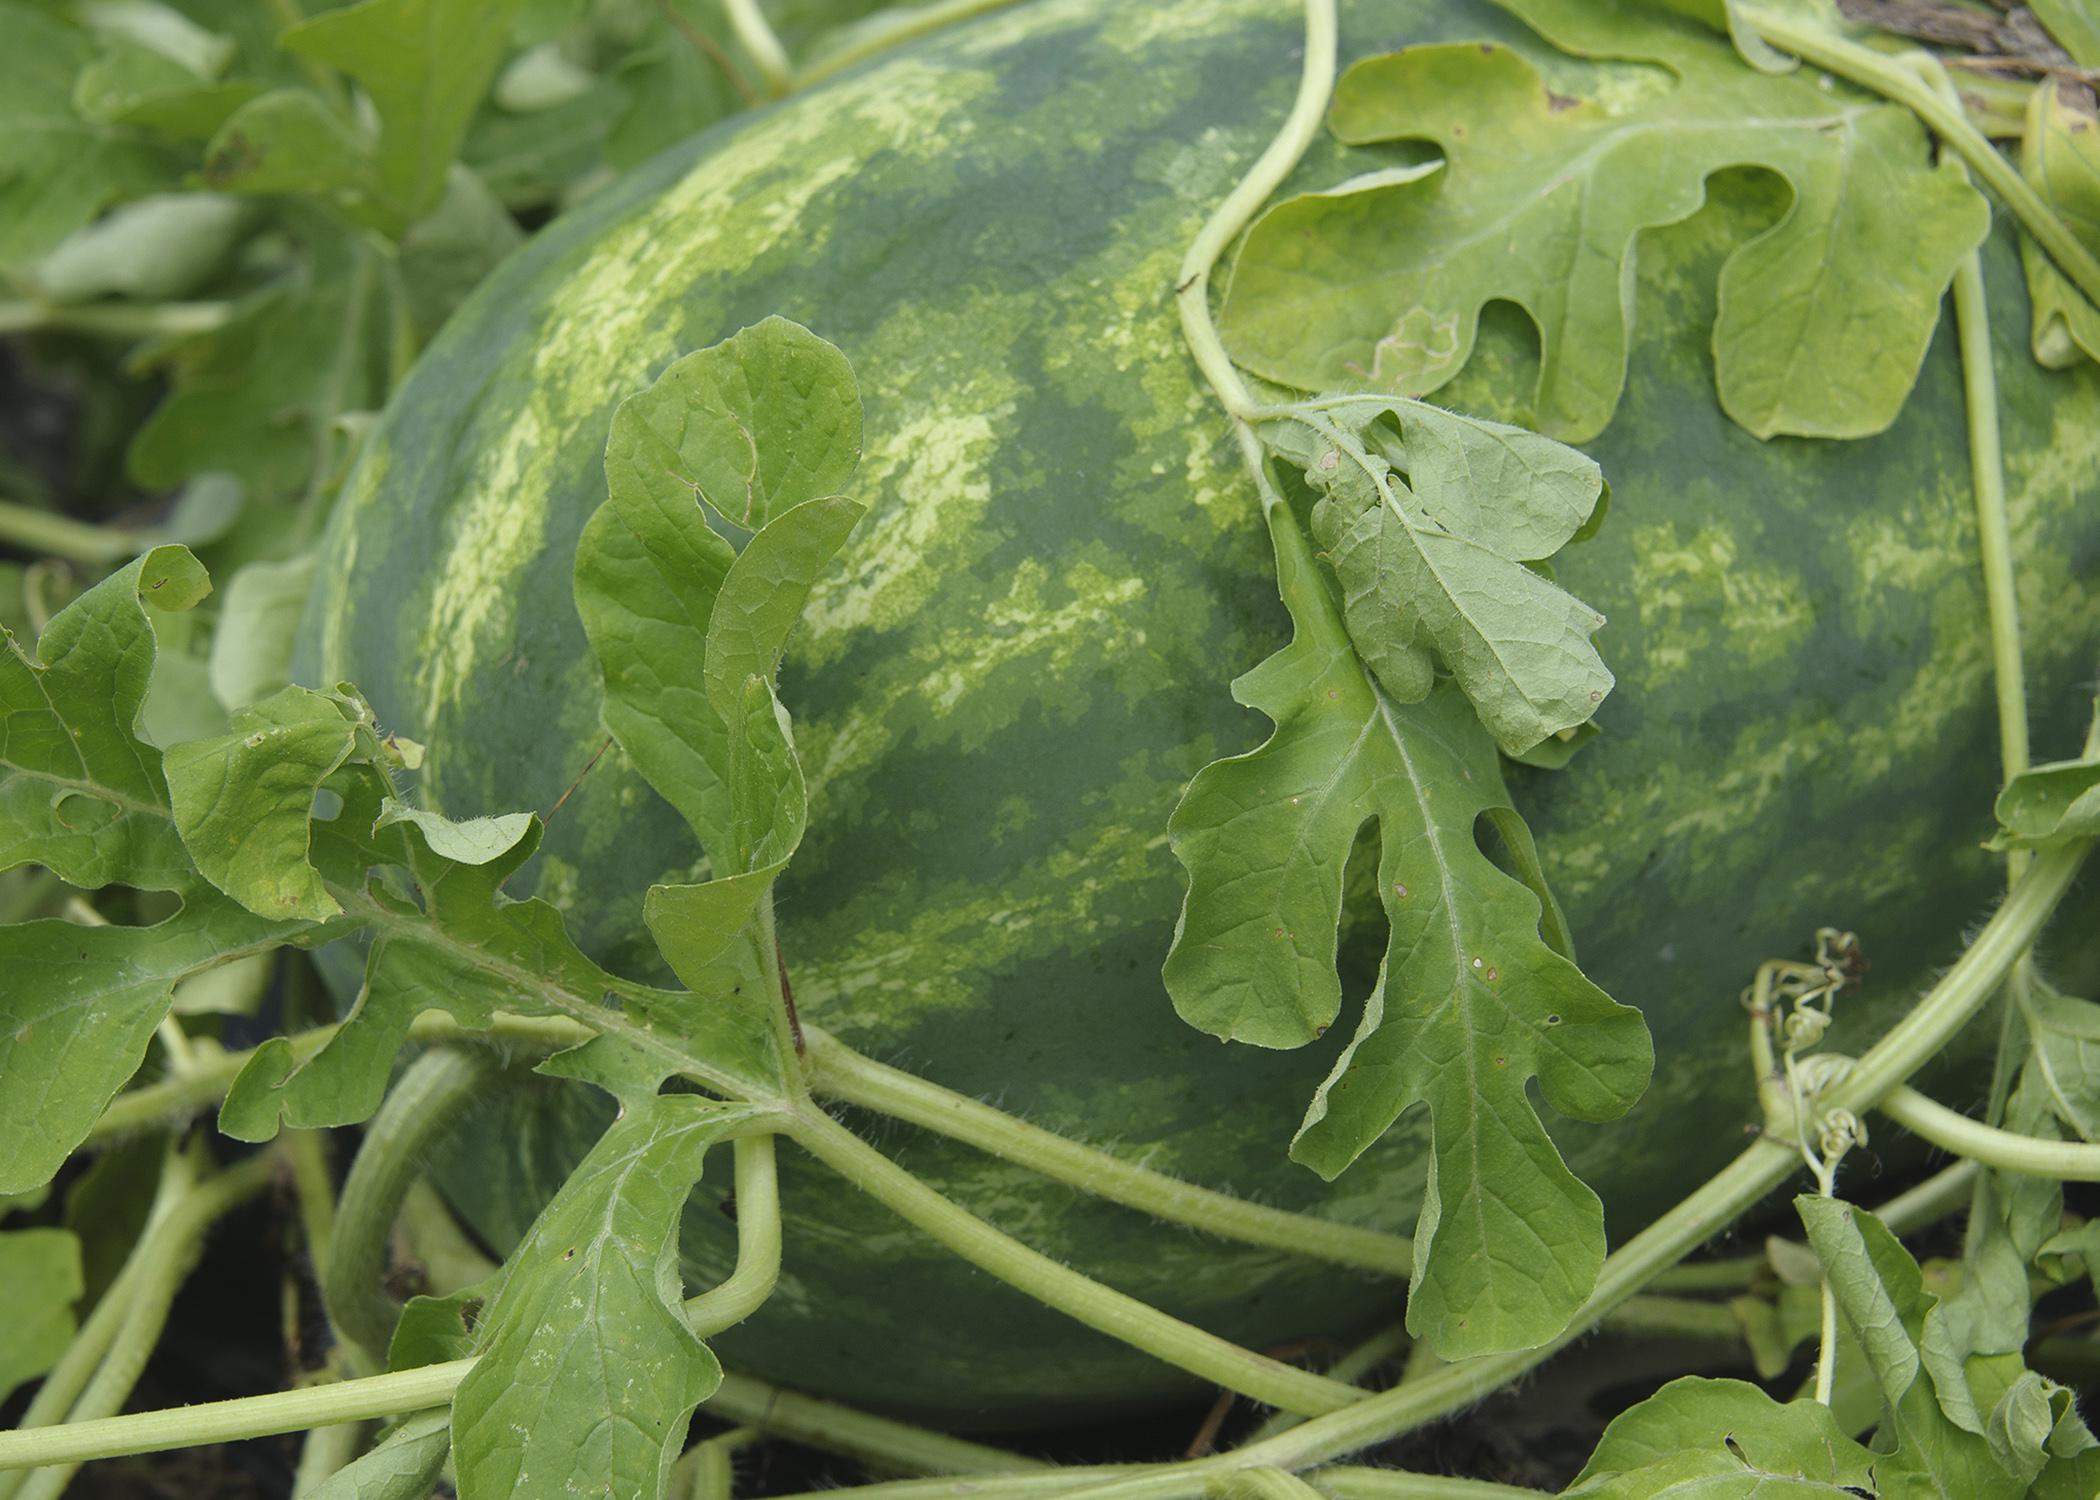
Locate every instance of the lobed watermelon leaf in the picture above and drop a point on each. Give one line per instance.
(1471, 1003)
(587, 1370)
(689, 631)
(1542, 200)
(248, 398)
(81, 791)
(242, 800)
(1436, 525)
(1724, 1438)
(79, 1007)
(464, 947)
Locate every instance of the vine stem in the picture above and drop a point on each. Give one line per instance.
(762, 42)
(123, 320)
(1192, 293)
(1353, 1482)
(841, 1073)
(911, 23)
(164, 1260)
(1932, 1200)
(2030, 1156)
(1894, 81)
(757, 1243)
(48, 535)
(174, 1100)
(788, 1414)
(1114, 1313)
(418, 1109)
(1343, 1481)
(1993, 527)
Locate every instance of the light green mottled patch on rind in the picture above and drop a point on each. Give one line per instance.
(875, 967)
(716, 218)
(901, 553)
(1007, 721)
(1699, 593)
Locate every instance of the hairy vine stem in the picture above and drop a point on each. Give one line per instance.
(1952, 1131)
(838, 1072)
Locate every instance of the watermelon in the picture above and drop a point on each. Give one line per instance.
(1023, 657)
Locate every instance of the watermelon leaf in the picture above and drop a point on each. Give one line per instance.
(693, 924)
(2050, 804)
(81, 791)
(1434, 523)
(42, 1273)
(587, 1371)
(1541, 203)
(469, 950)
(476, 841)
(2060, 156)
(1942, 1440)
(689, 631)
(248, 398)
(78, 1009)
(754, 425)
(1724, 1438)
(1471, 1004)
(425, 65)
(289, 141)
(59, 167)
(2074, 27)
(763, 595)
(242, 800)
(405, 1466)
(2064, 1036)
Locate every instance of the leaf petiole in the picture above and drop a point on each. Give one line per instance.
(1894, 81)
(757, 1243)
(1992, 1146)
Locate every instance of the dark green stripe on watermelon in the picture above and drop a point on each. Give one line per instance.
(1024, 657)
